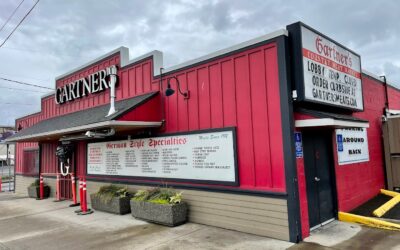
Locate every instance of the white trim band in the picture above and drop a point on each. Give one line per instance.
(330, 122)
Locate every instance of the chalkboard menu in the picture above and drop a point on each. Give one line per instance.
(203, 157)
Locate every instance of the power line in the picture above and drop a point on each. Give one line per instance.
(22, 76)
(12, 14)
(16, 27)
(28, 90)
(25, 83)
(13, 103)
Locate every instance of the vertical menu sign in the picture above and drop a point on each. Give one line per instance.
(327, 73)
(202, 157)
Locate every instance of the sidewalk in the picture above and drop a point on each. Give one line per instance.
(340, 235)
(30, 224)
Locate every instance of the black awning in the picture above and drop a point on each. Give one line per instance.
(84, 120)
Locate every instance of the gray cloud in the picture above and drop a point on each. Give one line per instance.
(61, 35)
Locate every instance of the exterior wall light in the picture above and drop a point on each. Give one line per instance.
(169, 91)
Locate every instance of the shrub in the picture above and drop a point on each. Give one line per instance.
(36, 183)
(107, 193)
(159, 196)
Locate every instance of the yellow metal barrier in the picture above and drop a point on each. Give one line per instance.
(368, 221)
(380, 211)
(389, 193)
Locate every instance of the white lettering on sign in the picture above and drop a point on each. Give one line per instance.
(96, 82)
(201, 157)
(352, 145)
(332, 74)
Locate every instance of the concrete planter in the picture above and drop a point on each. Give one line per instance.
(34, 192)
(117, 205)
(165, 214)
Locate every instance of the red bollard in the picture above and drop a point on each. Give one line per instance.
(58, 188)
(80, 197)
(73, 187)
(81, 193)
(41, 188)
(84, 208)
(84, 196)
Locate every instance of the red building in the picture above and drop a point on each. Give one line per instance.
(272, 136)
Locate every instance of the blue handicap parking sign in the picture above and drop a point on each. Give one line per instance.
(339, 141)
(298, 145)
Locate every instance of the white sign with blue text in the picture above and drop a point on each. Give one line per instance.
(352, 145)
(298, 144)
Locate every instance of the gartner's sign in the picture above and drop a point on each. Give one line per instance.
(201, 157)
(326, 72)
(93, 83)
(352, 145)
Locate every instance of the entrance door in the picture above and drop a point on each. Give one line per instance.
(318, 161)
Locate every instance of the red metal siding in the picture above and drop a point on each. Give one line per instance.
(25, 122)
(394, 98)
(80, 158)
(240, 90)
(48, 158)
(356, 183)
(150, 111)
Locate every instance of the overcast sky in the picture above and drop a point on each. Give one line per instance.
(61, 35)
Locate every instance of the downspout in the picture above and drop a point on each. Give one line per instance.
(112, 72)
(386, 109)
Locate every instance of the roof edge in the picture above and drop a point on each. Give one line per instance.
(269, 36)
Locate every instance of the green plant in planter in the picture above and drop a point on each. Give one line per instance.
(34, 189)
(159, 196)
(36, 183)
(107, 193)
(159, 205)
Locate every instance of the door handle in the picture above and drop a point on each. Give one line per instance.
(317, 179)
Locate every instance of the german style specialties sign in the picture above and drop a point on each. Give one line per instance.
(203, 157)
(352, 145)
(325, 71)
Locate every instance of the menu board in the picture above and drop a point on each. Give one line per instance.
(352, 145)
(203, 156)
(325, 72)
(332, 74)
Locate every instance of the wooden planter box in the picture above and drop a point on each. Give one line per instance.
(165, 214)
(117, 205)
(34, 192)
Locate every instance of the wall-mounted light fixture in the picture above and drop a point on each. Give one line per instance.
(169, 91)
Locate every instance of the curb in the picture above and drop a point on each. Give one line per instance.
(368, 221)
